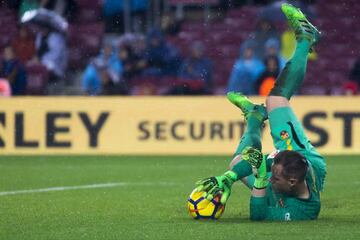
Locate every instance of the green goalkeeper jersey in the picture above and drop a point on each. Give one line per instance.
(279, 207)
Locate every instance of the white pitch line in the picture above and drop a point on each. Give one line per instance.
(117, 184)
(99, 185)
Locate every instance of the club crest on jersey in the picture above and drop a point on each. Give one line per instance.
(284, 135)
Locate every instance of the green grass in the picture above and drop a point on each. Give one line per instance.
(147, 210)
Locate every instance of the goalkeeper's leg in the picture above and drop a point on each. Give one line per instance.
(255, 116)
(292, 76)
(286, 129)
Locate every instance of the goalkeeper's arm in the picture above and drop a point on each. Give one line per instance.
(220, 185)
(258, 205)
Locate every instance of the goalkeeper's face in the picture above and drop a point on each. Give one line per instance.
(281, 183)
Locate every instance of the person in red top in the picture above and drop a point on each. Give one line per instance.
(24, 45)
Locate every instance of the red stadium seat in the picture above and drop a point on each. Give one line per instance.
(85, 42)
(86, 15)
(37, 78)
(313, 90)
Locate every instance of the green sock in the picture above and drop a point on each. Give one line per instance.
(251, 137)
(292, 76)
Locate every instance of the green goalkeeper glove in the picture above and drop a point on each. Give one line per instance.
(220, 185)
(255, 158)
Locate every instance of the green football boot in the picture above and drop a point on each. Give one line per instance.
(247, 107)
(302, 27)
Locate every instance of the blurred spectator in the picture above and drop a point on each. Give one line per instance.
(52, 52)
(162, 57)
(288, 44)
(272, 49)
(107, 52)
(196, 73)
(265, 30)
(103, 72)
(91, 80)
(355, 72)
(139, 49)
(109, 55)
(5, 88)
(128, 62)
(246, 71)
(169, 25)
(267, 79)
(132, 51)
(65, 8)
(351, 87)
(99, 79)
(24, 45)
(12, 70)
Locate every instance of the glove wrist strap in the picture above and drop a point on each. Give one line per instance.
(232, 175)
(261, 183)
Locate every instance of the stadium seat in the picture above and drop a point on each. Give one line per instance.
(313, 90)
(84, 42)
(88, 15)
(244, 12)
(37, 78)
(8, 26)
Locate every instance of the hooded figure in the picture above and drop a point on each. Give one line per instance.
(265, 30)
(195, 73)
(267, 79)
(109, 54)
(12, 70)
(99, 79)
(272, 49)
(197, 66)
(246, 71)
(162, 58)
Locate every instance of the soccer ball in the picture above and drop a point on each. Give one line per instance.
(201, 208)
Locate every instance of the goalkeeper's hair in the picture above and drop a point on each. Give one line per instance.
(294, 164)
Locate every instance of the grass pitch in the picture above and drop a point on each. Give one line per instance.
(145, 198)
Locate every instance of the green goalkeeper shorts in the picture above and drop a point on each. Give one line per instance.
(287, 132)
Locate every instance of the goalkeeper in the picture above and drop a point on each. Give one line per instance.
(286, 184)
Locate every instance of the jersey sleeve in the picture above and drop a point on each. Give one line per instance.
(259, 211)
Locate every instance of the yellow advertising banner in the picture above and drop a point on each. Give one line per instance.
(161, 125)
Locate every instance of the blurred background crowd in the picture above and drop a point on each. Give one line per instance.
(170, 47)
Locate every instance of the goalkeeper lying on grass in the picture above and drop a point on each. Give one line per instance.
(286, 184)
